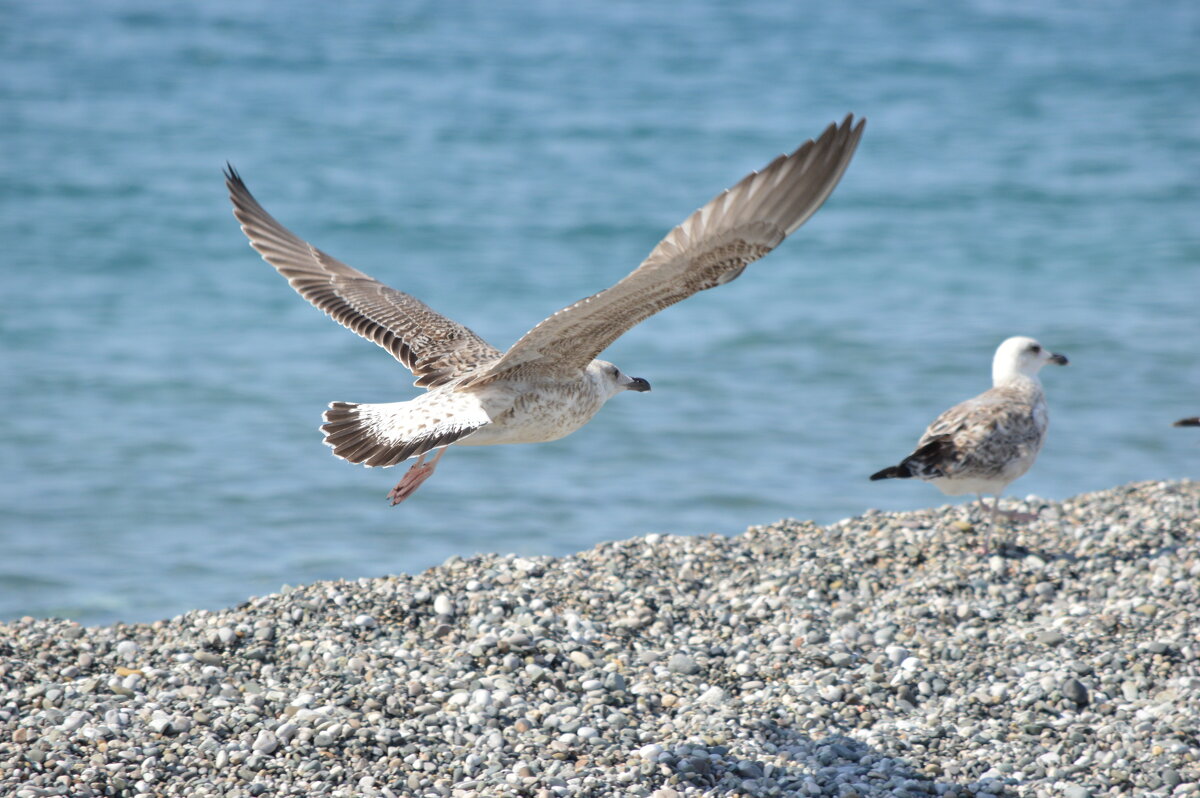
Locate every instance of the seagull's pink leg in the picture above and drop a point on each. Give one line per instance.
(413, 478)
(987, 539)
(1011, 515)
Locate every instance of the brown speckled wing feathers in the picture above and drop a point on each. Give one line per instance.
(979, 437)
(711, 247)
(436, 349)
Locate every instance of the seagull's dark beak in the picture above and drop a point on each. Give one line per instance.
(639, 384)
(1059, 360)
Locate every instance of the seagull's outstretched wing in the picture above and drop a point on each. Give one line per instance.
(713, 246)
(1187, 422)
(436, 349)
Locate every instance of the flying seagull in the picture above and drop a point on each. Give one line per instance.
(981, 445)
(548, 384)
(1187, 422)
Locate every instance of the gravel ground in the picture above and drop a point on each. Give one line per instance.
(879, 656)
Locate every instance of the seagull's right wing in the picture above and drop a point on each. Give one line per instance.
(1187, 422)
(711, 247)
(436, 349)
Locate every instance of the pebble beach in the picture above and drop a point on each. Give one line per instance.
(884, 655)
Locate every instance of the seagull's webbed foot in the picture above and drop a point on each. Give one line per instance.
(414, 478)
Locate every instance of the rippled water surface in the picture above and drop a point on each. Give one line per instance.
(1027, 168)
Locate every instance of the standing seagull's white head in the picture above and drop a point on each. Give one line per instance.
(1021, 356)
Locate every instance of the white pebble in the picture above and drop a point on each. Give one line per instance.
(650, 751)
(266, 742)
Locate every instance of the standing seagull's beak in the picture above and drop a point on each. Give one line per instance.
(638, 384)
(1059, 360)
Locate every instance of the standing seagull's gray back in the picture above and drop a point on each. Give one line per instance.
(990, 436)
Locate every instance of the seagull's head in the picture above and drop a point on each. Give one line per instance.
(615, 380)
(1021, 355)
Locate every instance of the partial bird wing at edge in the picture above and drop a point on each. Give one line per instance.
(711, 247)
(436, 349)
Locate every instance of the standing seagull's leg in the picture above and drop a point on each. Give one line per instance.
(1011, 515)
(413, 478)
(992, 523)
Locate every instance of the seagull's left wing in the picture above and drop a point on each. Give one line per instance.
(435, 348)
(712, 246)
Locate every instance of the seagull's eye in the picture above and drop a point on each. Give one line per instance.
(1035, 349)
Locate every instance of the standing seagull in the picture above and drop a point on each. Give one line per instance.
(981, 445)
(549, 383)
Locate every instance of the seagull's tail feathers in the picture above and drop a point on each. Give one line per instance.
(927, 462)
(386, 434)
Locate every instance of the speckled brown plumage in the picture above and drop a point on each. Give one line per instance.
(436, 349)
(981, 445)
(549, 383)
(711, 247)
(988, 437)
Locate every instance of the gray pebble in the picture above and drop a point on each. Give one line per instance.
(682, 663)
(1074, 690)
(265, 743)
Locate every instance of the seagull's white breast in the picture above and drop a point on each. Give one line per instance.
(534, 411)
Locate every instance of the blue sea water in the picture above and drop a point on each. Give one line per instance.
(1028, 168)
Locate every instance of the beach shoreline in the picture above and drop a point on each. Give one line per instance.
(880, 655)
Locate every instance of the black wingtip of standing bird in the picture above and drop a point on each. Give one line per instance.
(892, 472)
